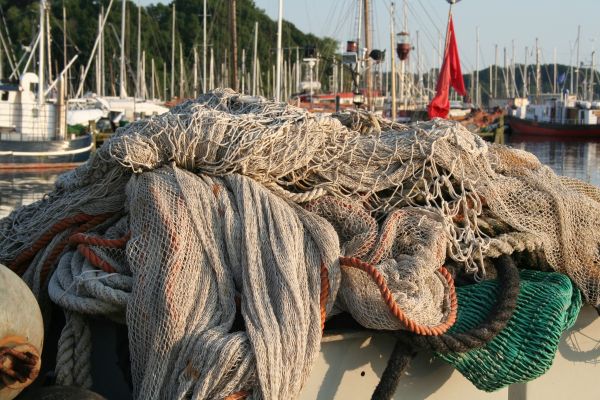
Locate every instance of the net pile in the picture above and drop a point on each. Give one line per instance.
(231, 205)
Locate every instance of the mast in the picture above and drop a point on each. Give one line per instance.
(138, 77)
(393, 62)
(254, 58)
(165, 81)
(513, 79)
(233, 35)
(173, 54)
(368, 46)
(577, 62)
(123, 84)
(592, 72)
(506, 85)
(554, 80)
(101, 52)
(41, 46)
(64, 24)
(403, 62)
(495, 91)
(195, 72)
(477, 100)
(419, 74)
(181, 75)
(278, 73)
(243, 83)
(143, 78)
(211, 84)
(152, 92)
(204, 49)
(538, 74)
(525, 75)
(98, 73)
(49, 45)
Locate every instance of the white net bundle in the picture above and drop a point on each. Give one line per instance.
(231, 205)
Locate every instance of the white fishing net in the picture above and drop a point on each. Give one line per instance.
(236, 206)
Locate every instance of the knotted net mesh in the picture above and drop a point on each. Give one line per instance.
(231, 205)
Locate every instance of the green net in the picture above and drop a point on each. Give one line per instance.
(547, 305)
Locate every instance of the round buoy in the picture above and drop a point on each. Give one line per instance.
(60, 393)
(21, 335)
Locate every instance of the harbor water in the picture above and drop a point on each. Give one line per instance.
(579, 160)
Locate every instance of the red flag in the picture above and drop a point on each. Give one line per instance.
(450, 75)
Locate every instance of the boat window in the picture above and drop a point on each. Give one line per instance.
(4, 95)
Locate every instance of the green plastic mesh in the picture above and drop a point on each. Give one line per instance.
(548, 304)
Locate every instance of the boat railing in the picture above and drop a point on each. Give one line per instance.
(567, 121)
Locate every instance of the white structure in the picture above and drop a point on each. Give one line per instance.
(22, 117)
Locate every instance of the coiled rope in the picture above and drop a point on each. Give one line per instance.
(408, 344)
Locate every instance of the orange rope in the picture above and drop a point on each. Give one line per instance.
(81, 238)
(58, 249)
(242, 394)
(43, 240)
(324, 294)
(94, 259)
(395, 308)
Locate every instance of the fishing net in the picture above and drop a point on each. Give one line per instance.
(548, 304)
(231, 205)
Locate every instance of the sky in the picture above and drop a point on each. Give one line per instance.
(500, 22)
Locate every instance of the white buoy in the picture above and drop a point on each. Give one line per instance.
(21, 335)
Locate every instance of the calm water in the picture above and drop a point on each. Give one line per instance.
(578, 160)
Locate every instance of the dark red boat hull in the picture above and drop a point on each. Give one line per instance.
(566, 131)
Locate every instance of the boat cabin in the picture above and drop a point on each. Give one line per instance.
(21, 117)
(561, 109)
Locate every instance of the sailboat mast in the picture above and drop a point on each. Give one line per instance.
(41, 54)
(243, 83)
(164, 81)
(211, 84)
(538, 75)
(393, 62)
(554, 80)
(49, 46)
(254, 58)
(152, 92)
(123, 84)
(98, 73)
(64, 24)
(368, 46)
(577, 62)
(101, 53)
(139, 43)
(592, 72)
(278, 73)
(477, 100)
(204, 83)
(181, 80)
(525, 75)
(173, 54)
(233, 36)
(195, 72)
(506, 71)
(495, 91)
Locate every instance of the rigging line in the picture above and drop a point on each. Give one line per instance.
(435, 25)
(342, 23)
(159, 44)
(331, 13)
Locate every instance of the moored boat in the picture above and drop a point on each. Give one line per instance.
(559, 116)
(33, 133)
